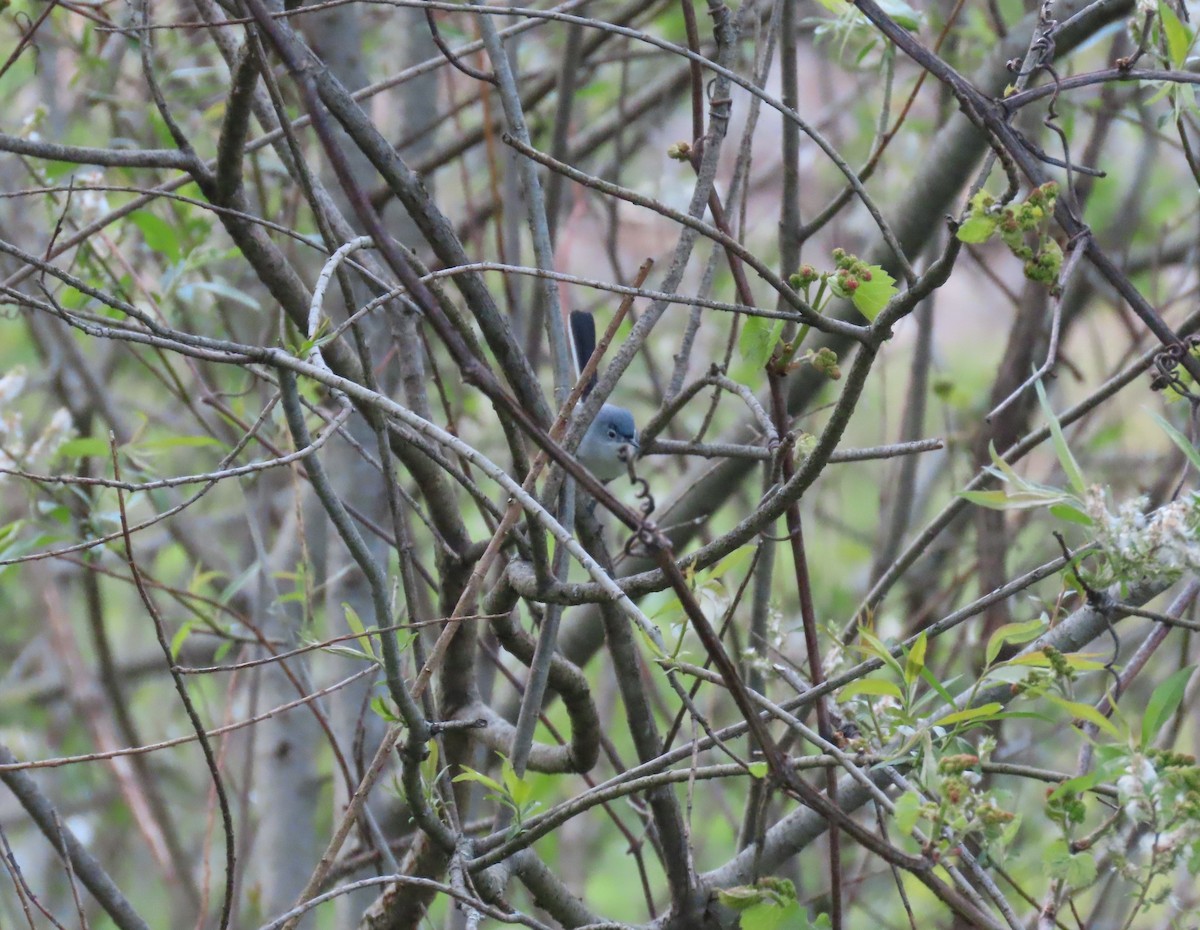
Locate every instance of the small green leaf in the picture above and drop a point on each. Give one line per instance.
(758, 339)
(357, 627)
(222, 289)
(1065, 458)
(1088, 714)
(904, 15)
(1012, 633)
(915, 660)
(470, 774)
(770, 915)
(977, 228)
(1071, 514)
(72, 299)
(1163, 703)
(518, 788)
(1077, 870)
(346, 652)
(1179, 39)
(733, 560)
(908, 811)
(1076, 660)
(385, 711)
(158, 233)
(1077, 785)
(429, 768)
(1184, 444)
(940, 689)
(84, 446)
(758, 769)
(179, 638)
(879, 649)
(872, 296)
(768, 904)
(177, 442)
(971, 713)
(993, 500)
(863, 52)
(739, 898)
(872, 686)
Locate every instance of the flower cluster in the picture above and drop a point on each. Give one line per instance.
(825, 361)
(850, 274)
(1160, 790)
(1022, 228)
(15, 452)
(966, 808)
(1160, 544)
(680, 151)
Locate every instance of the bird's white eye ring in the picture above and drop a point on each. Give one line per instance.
(612, 433)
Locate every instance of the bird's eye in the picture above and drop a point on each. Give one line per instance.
(612, 433)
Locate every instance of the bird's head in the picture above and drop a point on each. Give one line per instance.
(600, 448)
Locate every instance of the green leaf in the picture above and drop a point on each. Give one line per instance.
(971, 713)
(518, 788)
(931, 680)
(158, 233)
(739, 898)
(1075, 660)
(1065, 458)
(1077, 785)
(222, 289)
(915, 660)
(179, 638)
(879, 649)
(873, 686)
(758, 769)
(908, 811)
(993, 500)
(1163, 703)
(72, 299)
(1184, 444)
(1012, 633)
(470, 774)
(1025, 498)
(1179, 39)
(84, 446)
(737, 557)
(863, 52)
(177, 442)
(384, 710)
(1070, 513)
(429, 768)
(758, 339)
(1077, 870)
(357, 627)
(977, 228)
(770, 915)
(346, 652)
(902, 13)
(767, 890)
(872, 296)
(1088, 714)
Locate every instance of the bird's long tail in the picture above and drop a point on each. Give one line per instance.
(583, 337)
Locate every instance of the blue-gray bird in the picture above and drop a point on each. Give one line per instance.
(613, 428)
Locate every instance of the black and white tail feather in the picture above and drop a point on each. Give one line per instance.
(612, 436)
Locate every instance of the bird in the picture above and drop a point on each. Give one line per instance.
(614, 428)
